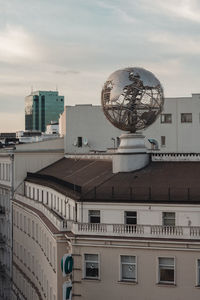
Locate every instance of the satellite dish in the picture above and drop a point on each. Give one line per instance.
(85, 141)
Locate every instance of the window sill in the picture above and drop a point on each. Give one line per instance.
(91, 279)
(130, 282)
(166, 284)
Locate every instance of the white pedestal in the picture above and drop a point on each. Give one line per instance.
(131, 154)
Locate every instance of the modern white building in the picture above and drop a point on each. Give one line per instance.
(86, 129)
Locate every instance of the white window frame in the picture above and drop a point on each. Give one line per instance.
(158, 272)
(84, 267)
(135, 264)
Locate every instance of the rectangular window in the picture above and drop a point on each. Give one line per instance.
(168, 218)
(166, 118)
(163, 141)
(79, 141)
(186, 118)
(94, 216)
(130, 217)
(198, 272)
(91, 266)
(166, 270)
(128, 268)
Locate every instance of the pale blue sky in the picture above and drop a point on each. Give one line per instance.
(75, 45)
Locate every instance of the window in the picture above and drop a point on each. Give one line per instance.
(166, 118)
(128, 268)
(91, 266)
(166, 270)
(163, 141)
(79, 141)
(168, 218)
(198, 272)
(130, 217)
(186, 118)
(94, 216)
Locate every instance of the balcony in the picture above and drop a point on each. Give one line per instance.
(144, 231)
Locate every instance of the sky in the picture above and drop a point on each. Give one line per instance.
(74, 45)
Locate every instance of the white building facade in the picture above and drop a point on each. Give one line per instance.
(86, 129)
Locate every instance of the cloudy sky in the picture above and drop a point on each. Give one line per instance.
(74, 45)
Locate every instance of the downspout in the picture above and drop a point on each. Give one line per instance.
(11, 216)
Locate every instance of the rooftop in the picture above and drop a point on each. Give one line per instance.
(93, 180)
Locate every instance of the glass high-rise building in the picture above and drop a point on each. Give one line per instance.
(42, 107)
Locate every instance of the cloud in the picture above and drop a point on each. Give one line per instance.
(118, 10)
(15, 44)
(186, 9)
(65, 72)
(171, 43)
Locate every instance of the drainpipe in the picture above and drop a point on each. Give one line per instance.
(11, 217)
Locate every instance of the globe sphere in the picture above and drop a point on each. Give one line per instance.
(132, 99)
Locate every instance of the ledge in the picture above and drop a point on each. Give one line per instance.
(129, 282)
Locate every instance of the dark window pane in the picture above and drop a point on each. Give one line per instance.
(92, 269)
(167, 275)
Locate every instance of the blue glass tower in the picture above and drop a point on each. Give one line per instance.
(42, 107)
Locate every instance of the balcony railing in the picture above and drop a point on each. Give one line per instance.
(146, 231)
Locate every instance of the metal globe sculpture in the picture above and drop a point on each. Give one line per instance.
(132, 99)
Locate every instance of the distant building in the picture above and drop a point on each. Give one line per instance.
(42, 107)
(53, 128)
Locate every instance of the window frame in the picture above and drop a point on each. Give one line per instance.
(84, 266)
(186, 115)
(89, 216)
(158, 273)
(198, 272)
(131, 217)
(164, 219)
(163, 118)
(163, 139)
(121, 279)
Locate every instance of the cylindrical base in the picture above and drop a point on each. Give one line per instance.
(131, 142)
(131, 154)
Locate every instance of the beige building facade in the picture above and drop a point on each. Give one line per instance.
(15, 162)
(123, 248)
